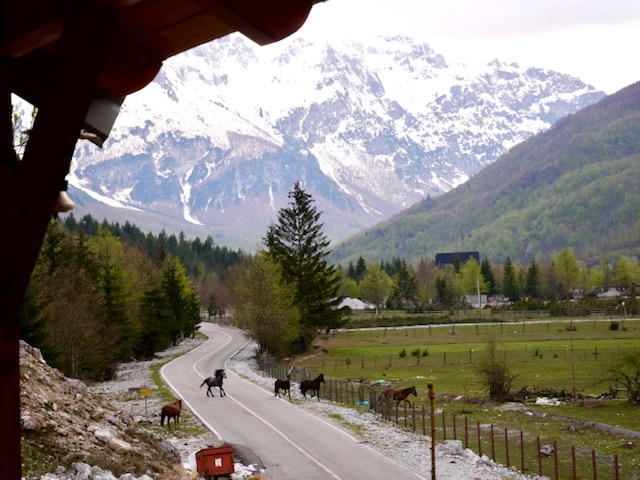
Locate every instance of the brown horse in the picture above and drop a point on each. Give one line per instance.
(398, 394)
(283, 385)
(402, 394)
(313, 385)
(170, 411)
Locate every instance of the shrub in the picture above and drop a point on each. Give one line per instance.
(493, 367)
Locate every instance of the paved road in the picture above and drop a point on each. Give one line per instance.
(292, 443)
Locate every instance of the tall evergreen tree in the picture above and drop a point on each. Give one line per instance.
(532, 282)
(179, 293)
(489, 278)
(361, 269)
(111, 280)
(296, 242)
(510, 281)
(405, 288)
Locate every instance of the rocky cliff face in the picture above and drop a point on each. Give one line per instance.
(217, 141)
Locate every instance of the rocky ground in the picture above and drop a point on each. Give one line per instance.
(65, 424)
(95, 431)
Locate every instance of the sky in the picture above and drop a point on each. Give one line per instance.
(595, 41)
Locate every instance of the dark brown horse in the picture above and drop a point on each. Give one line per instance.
(170, 411)
(313, 386)
(398, 394)
(402, 394)
(215, 381)
(283, 385)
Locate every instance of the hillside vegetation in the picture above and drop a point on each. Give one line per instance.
(576, 185)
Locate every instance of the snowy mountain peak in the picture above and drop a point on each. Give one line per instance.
(221, 135)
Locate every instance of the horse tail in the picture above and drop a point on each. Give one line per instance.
(162, 415)
(202, 384)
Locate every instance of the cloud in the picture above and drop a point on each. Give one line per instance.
(592, 40)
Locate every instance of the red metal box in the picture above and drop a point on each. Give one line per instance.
(215, 461)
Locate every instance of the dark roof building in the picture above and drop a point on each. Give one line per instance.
(454, 258)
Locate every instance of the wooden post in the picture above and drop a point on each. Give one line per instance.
(432, 397)
(493, 445)
(539, 455)
(28, 193)
(521, 451)
(444, 426)
(466, 432)
(455, 432)
(506, 444)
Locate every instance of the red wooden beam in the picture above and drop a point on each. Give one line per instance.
(33, 187)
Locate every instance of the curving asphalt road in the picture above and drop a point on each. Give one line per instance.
(292, 443)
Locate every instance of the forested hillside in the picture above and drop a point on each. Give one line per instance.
(576, 185)
(102, 294)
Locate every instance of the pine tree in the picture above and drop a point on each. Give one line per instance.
(531, 286)
(361, 269)
(405, 289)
(509, 282)
(296, 242)
(487, 274)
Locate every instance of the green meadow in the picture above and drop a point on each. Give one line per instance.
(546, 354)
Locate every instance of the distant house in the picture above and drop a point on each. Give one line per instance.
(453, 258)
(355, 304)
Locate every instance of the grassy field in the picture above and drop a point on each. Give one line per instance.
(546, 354)
(551, 354)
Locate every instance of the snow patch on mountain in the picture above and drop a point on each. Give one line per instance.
(371, 127)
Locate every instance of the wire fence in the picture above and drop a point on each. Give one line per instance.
(511, 447)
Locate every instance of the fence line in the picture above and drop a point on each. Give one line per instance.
(502, 442)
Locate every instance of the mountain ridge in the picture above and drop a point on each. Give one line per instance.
(575, 185)
(217, 141)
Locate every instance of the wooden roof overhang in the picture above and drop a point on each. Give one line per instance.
(69, 58)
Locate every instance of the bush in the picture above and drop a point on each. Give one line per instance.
(493, 367)
(625, 371)
(614, 326)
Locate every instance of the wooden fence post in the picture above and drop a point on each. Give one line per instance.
(555, 459)
(506, 444)
(493, 445)
(432, 396)
(539, 455)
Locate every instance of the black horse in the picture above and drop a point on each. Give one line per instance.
(215, 381)
(313, 385)
(283, 385)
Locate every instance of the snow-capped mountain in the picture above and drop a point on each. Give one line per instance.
(215, 143)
